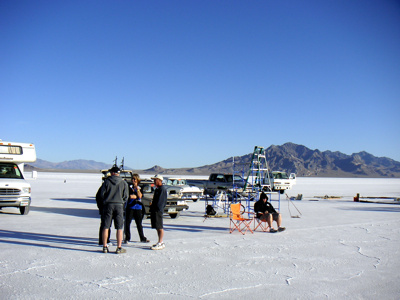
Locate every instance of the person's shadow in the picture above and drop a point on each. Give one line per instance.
(46, 240)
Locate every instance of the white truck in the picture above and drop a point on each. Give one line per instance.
(280, 181)
(14, 190)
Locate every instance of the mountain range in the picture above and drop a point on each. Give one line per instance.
(289, 157)
(79, 164)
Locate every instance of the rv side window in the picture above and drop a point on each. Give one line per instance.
(7, 149)
(8, 170)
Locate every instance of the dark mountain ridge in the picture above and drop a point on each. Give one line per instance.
(293, 158)
(289, 157)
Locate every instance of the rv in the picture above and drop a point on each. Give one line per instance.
(14, 190)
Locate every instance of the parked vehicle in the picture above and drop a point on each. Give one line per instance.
(217, 182)
(178, 188)
(14, 190)
(124, 174)
(174, 207)
(277, 181)
(280, 181)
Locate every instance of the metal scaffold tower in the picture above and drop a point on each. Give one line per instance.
(246, 188)
(257, 178)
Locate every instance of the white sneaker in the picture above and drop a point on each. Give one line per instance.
(110, 244)
(158, 246)
(126, 242)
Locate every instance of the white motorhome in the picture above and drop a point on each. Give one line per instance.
(14, 190)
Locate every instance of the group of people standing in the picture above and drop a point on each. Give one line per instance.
(121, 202)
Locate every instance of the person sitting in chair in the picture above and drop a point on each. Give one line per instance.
(267, 213)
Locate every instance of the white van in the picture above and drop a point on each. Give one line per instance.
(14, 190)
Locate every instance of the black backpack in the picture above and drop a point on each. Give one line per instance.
(210, 211)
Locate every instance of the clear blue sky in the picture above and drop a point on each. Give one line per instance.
(189, 83)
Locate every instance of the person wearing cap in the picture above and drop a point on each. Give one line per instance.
(267, 213)
(157, 210)
(114, 192)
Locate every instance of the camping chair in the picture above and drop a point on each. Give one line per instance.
(260, 224)
(238, 221)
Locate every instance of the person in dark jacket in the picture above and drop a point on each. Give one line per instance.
(134, 210)
(267, 213)
(157, 210)
(99, 202)
(114, 193)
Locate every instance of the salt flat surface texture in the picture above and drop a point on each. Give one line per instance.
(336, 249)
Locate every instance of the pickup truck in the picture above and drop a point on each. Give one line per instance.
(277, 181)
(216, 182)
(280, 181)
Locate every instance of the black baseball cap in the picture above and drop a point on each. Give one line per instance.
(114, 170)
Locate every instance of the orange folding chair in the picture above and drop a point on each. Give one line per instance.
(238, 221)
(260, 224)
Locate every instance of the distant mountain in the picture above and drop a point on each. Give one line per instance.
(288, 157)
(293, 158)
(303, 161)
(79, 164)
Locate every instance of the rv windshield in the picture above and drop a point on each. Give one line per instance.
(9, 170)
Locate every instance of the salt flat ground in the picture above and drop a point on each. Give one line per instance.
(336, 249)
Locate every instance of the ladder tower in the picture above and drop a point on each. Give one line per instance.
(258, 177)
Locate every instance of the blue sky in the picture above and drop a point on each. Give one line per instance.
(190, 83)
